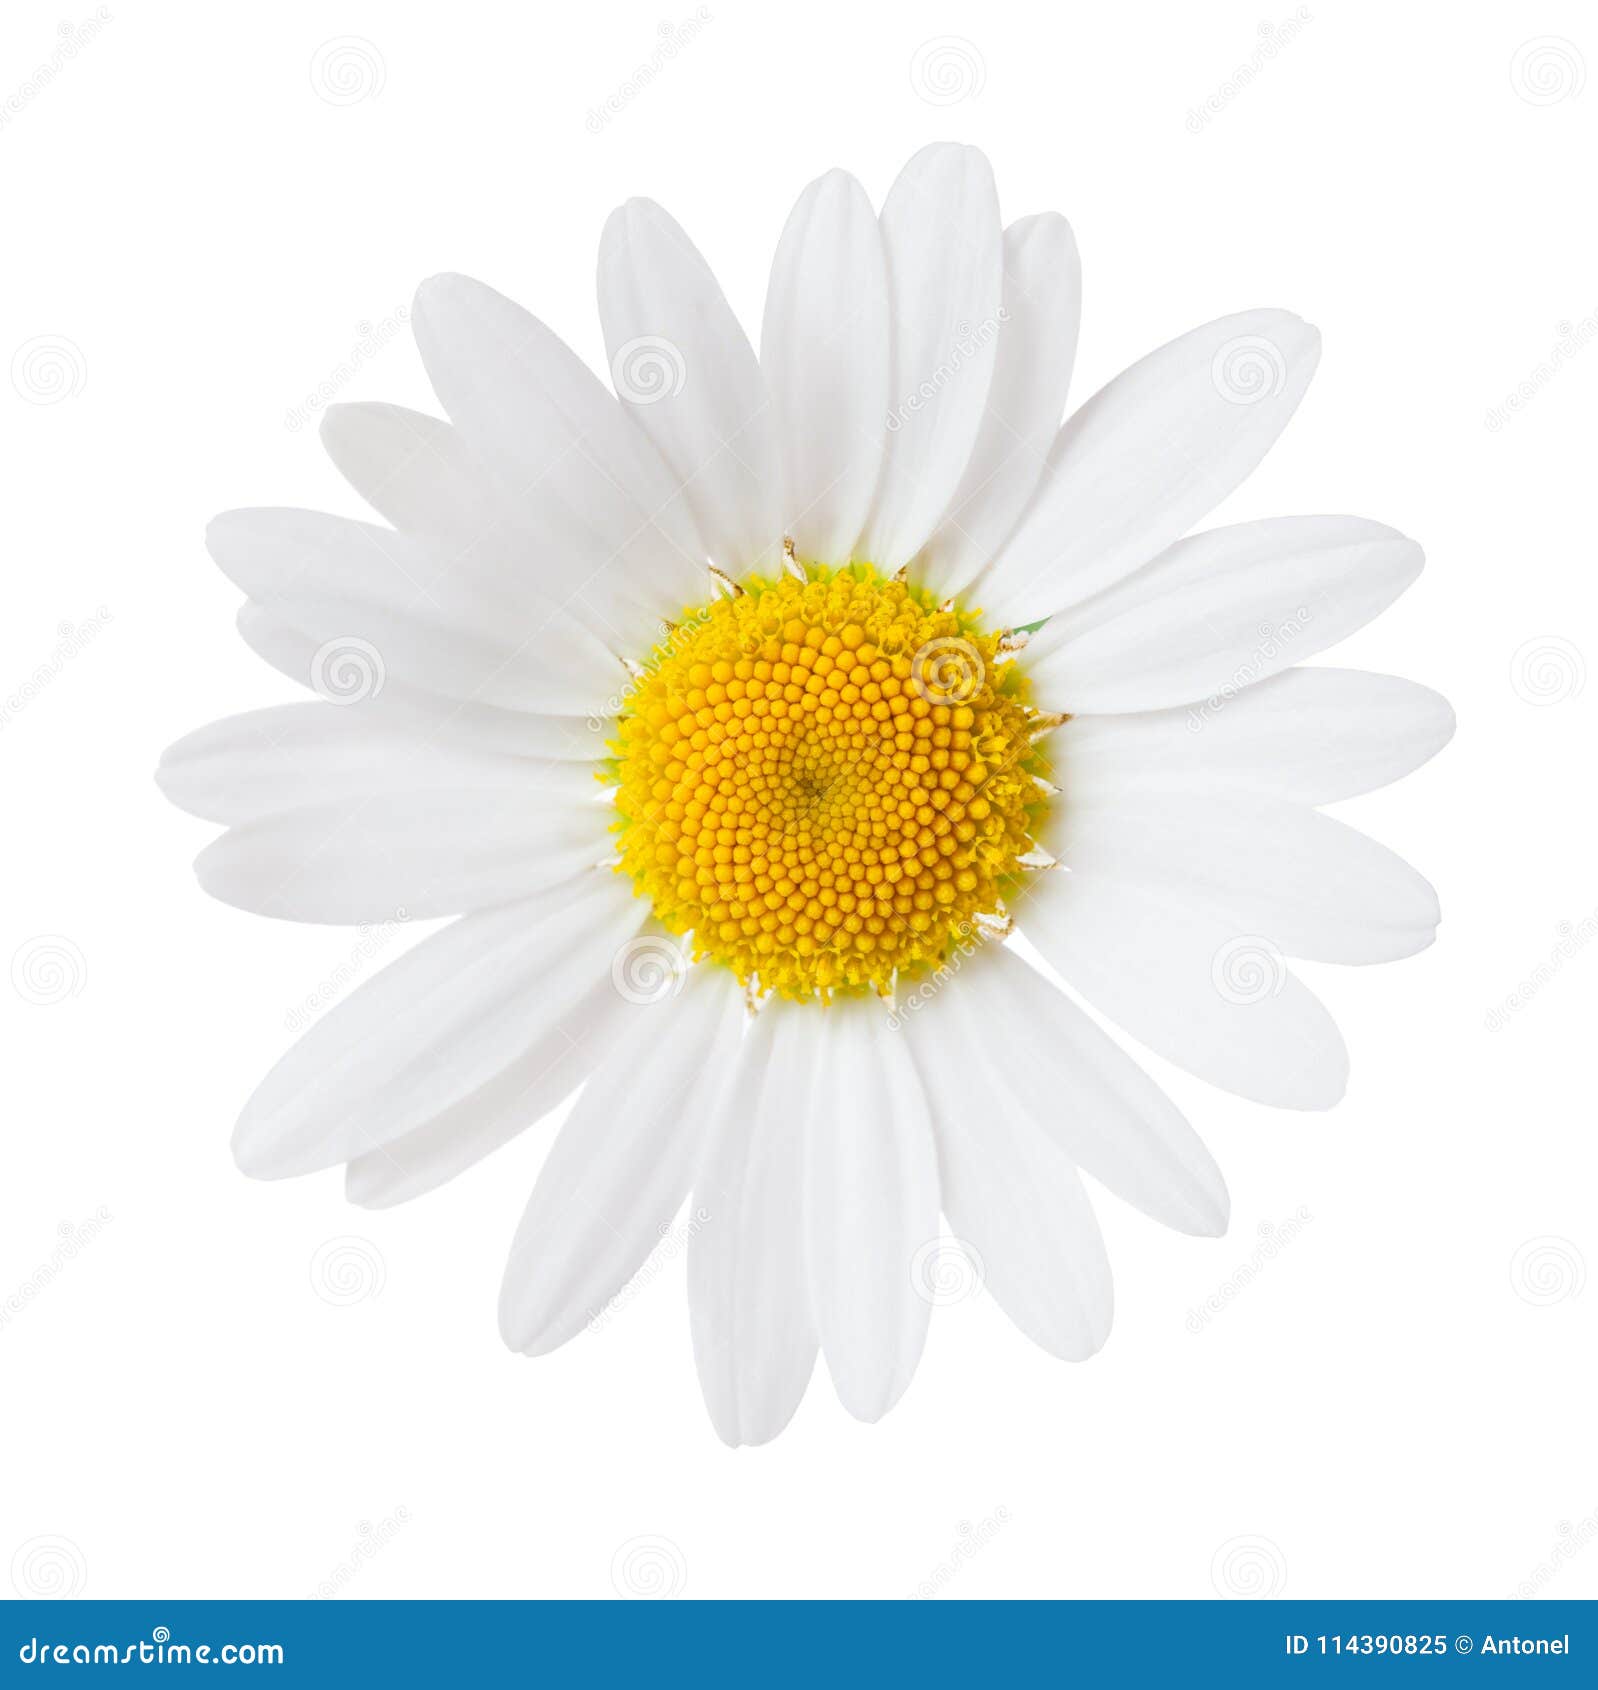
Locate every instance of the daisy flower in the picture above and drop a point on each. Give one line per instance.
(737, 719)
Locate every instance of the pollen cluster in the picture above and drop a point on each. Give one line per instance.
(827, 781)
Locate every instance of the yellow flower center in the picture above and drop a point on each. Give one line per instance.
(828, 781)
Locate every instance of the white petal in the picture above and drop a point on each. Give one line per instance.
(686, 369)
(391, 607)
(419, 853)
(1222, 611)
(1037, 347)
(297, 755)
(569, 1047)
(430, 1029)
(1011, 1197)
(1188, 985)
(1309, 735)
(1147, 456)
(415, 471)
(1308, 884)
(614, 538)
(423, 715)
(871, 1203)
(753, 1331)
(1056, 1068)
(621, 1166)
(824, 351)
(940, 224)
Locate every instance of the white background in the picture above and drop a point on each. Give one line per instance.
(197, 233)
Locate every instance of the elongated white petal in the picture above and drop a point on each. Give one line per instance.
(1311, 885)
(621, 1166)
(753, 1330)
(415, 471)
(380, 603)
(824, 351)
(871, 1204)
(1037, 347)
(1220, 1003)
(1222, 611)
(357, 681)
(1148, 455)
(1312, 736)
(686, 370)
(1012, 1198)
(607, 529)
(570, 1045)
(294, 756)
(433, 1027)
(1054, 1066)
(940, 225)
(424, 852)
